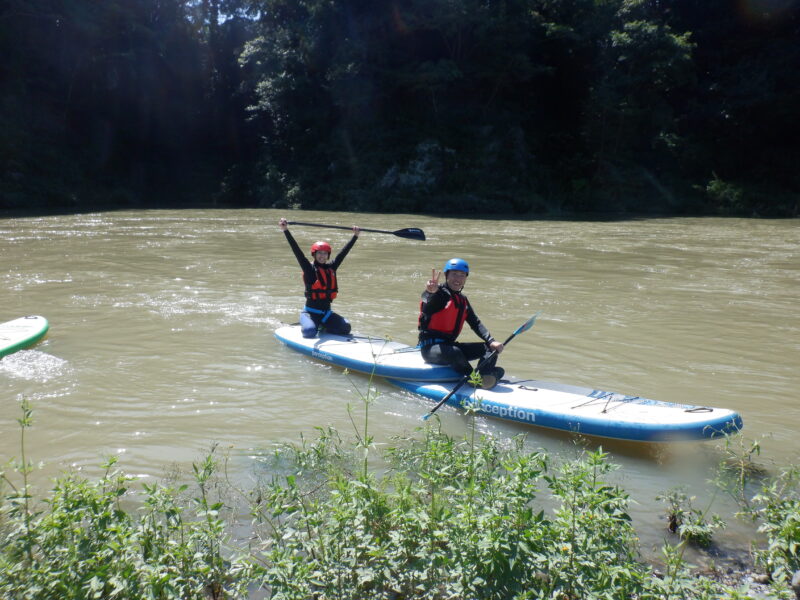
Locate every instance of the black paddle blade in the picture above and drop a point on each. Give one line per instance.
(411, 233)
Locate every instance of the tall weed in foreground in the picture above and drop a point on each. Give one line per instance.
(692, 525)
(81, 543)
(593, 543)
(772, 502)
(738, 468)
(777, 509)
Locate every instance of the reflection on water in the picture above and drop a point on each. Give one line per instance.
(33, 365)
(161, 331)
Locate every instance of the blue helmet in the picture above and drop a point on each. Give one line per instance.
(456, 264)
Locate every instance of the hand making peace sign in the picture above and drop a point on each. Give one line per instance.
(433, 282)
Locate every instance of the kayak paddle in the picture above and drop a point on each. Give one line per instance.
(524, 327)
(411, 233)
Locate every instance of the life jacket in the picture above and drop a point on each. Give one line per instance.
(325, 286)
(447, 322)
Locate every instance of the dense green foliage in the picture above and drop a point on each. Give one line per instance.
(80, 542)
(777, 509)
(443, 518)
(520, 106)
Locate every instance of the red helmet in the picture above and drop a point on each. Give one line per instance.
(324, 246)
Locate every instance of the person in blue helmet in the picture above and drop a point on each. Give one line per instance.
(443, 311)
(319, 277)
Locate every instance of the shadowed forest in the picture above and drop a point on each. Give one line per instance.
(540, 107)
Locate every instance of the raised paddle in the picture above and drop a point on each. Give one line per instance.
(411, 233)
(524, 327)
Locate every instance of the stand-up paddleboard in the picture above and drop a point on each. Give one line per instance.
(366, 354)
(21, 333)
(588, 411)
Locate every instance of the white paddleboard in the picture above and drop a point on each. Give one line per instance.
(587, 411)
(366, 354)
(21, 333)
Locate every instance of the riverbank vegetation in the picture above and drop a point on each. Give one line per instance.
(527, 107)
(439, 518)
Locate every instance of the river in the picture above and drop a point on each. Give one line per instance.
(161, 332)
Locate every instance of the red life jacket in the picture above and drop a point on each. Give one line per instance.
(325, 286)
(447, 322)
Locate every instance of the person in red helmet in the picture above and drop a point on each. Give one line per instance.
(443, 312)
(319, 277)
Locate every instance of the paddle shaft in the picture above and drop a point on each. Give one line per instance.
(466, 377)
(411, 232)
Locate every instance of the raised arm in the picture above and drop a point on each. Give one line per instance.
(305, 264)
(348, 246)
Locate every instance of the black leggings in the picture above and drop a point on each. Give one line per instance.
(458, 355)
(335, 323)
